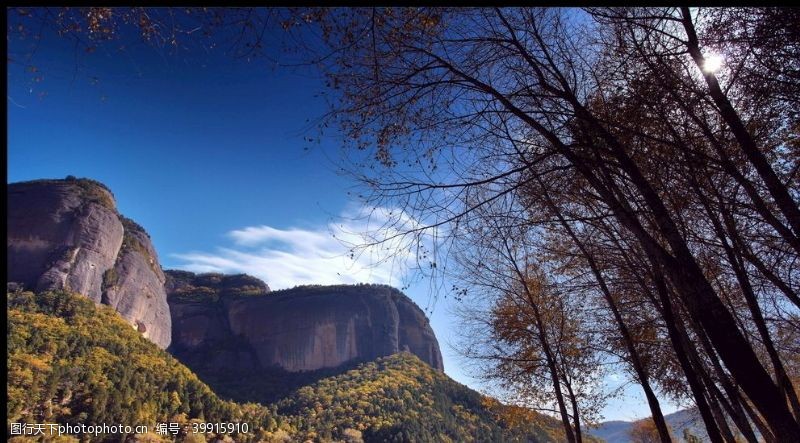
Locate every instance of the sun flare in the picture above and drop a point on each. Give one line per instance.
(713, 63)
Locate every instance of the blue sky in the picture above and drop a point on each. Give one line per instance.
(209, 154)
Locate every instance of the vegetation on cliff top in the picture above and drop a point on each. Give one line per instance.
(212, 286)
(90, 190)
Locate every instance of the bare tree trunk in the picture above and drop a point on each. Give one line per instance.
(735, 409)
(550, 357)
(737, 265)
(703, 303)
(641, 372)
(765, 431)
(576, 419)
(694, 382)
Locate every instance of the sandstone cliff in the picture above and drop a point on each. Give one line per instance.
(237, 323)
(67, 234)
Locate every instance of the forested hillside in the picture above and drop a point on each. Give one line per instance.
(72, 361)
(399, 398)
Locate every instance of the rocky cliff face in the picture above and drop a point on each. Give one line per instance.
(67, 234)
(303, 329)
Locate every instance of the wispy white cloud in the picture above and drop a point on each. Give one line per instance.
(358, 247)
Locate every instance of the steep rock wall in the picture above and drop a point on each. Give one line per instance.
(302, 329)
(67, 234)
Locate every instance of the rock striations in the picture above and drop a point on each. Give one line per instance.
(67, 234)
(237, 321)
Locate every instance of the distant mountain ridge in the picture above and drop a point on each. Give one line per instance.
(617, 431)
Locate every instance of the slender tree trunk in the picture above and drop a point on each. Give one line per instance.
(689, 371)
(702, 302)
(735, 409)
(548, 352)
(783, 380)
(766, 432)
(696, 292)
(715, 399)
(627, 338)
(576, 419)
(737, 265)
(719, 416)
(562, 406)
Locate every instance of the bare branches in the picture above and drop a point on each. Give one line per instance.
(602, 158)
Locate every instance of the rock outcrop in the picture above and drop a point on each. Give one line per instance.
(302, 329)
(67, 234)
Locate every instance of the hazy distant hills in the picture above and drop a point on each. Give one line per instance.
(618, 431)
(615, 431)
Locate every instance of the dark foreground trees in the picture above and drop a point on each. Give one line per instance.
(653, 152)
